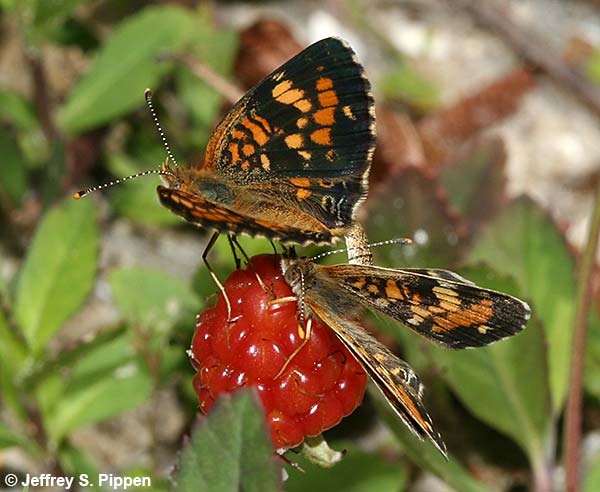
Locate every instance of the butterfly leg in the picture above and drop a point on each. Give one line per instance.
(281, 300)
(304, 333)
(211, 243)
(233, 240)
(232, 243)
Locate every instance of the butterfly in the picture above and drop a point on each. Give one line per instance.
(437, 304)
(290, 161)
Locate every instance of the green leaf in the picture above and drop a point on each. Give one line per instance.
(76, 461)
(424, 454)
(125, 66)
(480, 197)
(591, 372)
(500, 377)
(215, 48)
(591, 481)
(592, 67)
(13, 179)
(137, 199)
(356, 472)
(524, 243)
(151, 299)
(17, 111)
(108, 381)
(48, 15)
(12, 350)
(230, 450)
(408, 85)
(58, 272)
(411, 204)
(9, 438)
(124, 389)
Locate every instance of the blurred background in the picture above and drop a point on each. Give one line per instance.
(488, 157)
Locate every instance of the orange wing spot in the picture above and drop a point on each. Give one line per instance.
(449, 306)
(443, 292)
(392, 291)
(301, 122)
(258, 134)
(235, 152)
(265, 161)
(321, 136)
(245, 165)
(280, 88)
(360, 283)
(325, 116)
(214, 216)
(325, 184)
(373, 289)
(320, 68)
(420, 311)
(305, 154)
(301, 182)
(303, 105)
(183, 201)
(248, 149)
(330, 154)
(446, 324)
(380, 358)
(435, 310)
(484, 311)
(263, 122)
(324, 83)
(290, 97)
(294, 141)
(328, 98)
(348, 112)
(303, 194)
(238, 134)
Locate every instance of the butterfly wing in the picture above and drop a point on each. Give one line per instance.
(199, 210)
(310, 122)
(439, 305)
(394, 377)
(318, 102)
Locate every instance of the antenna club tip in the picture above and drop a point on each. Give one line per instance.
(148, 93)
(78, 194)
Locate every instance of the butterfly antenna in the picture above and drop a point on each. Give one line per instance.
(80, 194)
(398, 240)
(301, 299)
(148, 97)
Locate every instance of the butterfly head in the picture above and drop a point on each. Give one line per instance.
(179, 178)
(297, 272)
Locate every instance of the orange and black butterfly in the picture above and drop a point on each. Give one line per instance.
(290, 161)
(438, 304)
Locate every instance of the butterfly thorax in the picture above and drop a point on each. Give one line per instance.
(306, 280)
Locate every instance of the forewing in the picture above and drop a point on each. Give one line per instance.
(205, 213)
(394, 377)
(312, 116)
(453, 313)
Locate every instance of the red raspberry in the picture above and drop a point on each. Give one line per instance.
(321, 384)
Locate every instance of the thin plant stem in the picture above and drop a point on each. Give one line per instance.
(572, 429)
